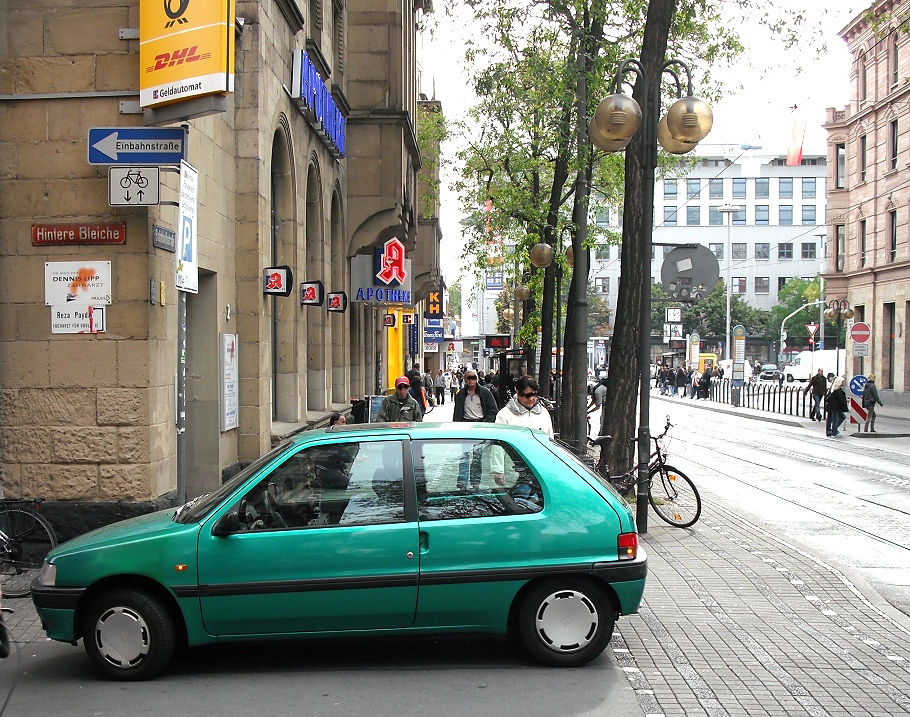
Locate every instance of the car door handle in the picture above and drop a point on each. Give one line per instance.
(424, 542)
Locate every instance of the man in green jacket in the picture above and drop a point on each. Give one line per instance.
(401, 405)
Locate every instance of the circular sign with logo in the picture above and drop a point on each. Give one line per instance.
(860, 332)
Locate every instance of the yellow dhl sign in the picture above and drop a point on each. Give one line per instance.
(186, 49)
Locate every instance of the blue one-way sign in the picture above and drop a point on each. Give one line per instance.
(136, 145)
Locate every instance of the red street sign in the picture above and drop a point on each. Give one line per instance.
(811, 328)
(860, 332)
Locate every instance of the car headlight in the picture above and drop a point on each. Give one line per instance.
(48, 575)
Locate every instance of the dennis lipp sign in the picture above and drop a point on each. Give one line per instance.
(77, 282)
(384, 278)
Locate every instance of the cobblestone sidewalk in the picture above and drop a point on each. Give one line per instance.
(738, 622)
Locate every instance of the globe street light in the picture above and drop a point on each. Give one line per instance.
(838, 310)
(617, 118)
(729, 210)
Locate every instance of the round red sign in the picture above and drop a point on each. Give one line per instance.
(860, 332)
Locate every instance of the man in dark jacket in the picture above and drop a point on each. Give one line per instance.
(818, 385)
(474, 402)
(401, 405)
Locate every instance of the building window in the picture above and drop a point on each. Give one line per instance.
(840, 170)
(715, 218)
(718, 250)
(670, 216)
(785, 190)
(863, 78)
(762, 188)
(603, 252)
(781, 280)
(808, 214)
(808, 250)
(693, 216)
(739, 216)
(762, 285)
(669, 189)
(892, 233)
(808, 187)
(862, 158)
(892, 145)
(761, 213)
(693, 188)
(739, 187)
(762, 250)
(785, 214)
(739, 251)
(862, 242)
(893, 60)
(716, 188)
(738, 285)
(840, 246)
(602, 284)
(785, 251)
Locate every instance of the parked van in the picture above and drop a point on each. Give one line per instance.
(806, 363)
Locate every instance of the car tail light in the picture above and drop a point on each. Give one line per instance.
(628, 546)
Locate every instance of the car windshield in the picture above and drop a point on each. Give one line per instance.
(769, 367)
(198, 508)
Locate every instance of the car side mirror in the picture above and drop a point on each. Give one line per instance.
(227, 524)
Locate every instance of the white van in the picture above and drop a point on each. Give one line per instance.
(806, 363)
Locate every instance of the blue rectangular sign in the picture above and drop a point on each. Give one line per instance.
(136, 145)
(433, 334)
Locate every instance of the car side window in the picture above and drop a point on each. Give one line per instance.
(473, 479)
(344, 483)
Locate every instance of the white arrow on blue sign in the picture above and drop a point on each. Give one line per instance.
(136, 145)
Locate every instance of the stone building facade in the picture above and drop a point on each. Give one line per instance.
(89, 419)
(868, 257)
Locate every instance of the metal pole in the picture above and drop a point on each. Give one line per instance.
(558, 390)
(181, 397)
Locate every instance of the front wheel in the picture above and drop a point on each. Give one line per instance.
(674, 497)
(566, 622)
(29, 538)
(129, 635)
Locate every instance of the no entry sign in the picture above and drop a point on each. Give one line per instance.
(860, 332)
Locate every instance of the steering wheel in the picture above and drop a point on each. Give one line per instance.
(269, 504)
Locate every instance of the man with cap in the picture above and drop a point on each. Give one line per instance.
(401, 405)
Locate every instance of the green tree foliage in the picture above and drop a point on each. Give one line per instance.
(794, 294)
(599, 314)
(708, 317)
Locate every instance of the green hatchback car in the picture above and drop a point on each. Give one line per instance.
(360, 530)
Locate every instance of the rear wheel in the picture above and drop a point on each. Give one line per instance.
(29, 538)
(674, 497)
(129, 635)
(566, 622)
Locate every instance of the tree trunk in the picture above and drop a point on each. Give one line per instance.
(625, 364)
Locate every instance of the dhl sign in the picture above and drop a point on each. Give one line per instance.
(186, 49)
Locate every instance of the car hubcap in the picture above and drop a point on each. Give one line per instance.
(567, 621)
(122, 637)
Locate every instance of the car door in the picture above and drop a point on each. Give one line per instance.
(324, 545)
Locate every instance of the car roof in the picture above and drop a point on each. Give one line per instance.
(413, 429)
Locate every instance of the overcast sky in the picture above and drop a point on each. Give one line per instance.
(764, 84)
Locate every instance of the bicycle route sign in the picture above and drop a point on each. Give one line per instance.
(133, 186)
(136, 145)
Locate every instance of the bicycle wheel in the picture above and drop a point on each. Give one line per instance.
(28, 539)
(673, 496)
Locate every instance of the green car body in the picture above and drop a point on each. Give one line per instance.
(444, 559)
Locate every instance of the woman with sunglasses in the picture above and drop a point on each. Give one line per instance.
(523, 409)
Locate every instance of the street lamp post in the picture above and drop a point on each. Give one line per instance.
(729, 210)
(823, 243)
(617, 118)
(838, 310)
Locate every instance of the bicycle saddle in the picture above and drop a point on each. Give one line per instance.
(600, 440)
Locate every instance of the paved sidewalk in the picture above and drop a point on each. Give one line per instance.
(738, 622)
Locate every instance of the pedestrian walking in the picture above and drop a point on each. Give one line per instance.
(870, 398)
(670, 383)
(401, 405)
(473, 404)
(694, 378)
(704, 383)
(818, 386)
(835, 407)
(455, 385)
(681, 382)
(439, 384)
(523, 409)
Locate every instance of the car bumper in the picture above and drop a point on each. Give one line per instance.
(627, 579)
(56, 606)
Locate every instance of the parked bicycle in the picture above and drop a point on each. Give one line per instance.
(25, 540)
(671, 493)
